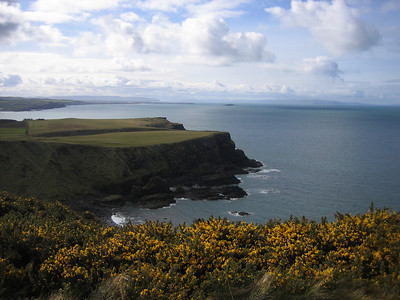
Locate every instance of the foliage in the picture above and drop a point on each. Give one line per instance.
(49, 250)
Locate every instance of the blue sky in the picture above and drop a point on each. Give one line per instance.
(187, 50)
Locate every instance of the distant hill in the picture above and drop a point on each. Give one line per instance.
(26, 104)
(109, 99)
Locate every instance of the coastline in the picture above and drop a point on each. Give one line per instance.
(98, 165)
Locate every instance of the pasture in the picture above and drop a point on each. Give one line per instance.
(100, 132)
(130, 139)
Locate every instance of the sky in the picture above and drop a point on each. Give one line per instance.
(202, 50)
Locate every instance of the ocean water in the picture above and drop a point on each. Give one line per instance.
(317, 159)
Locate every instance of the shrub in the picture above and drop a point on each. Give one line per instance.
(49, 249)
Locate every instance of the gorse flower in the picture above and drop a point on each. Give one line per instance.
(47, 248)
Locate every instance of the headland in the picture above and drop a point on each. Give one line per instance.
(95, 165)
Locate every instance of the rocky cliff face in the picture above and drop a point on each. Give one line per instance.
(151, 176)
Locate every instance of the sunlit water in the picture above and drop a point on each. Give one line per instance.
(317, 160)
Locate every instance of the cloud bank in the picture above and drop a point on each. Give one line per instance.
(321, 65)
(337, 26)
(201, 39)
(200, 48)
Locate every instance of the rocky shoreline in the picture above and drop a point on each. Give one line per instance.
(98, 178)
(208, 178)
(157, 193)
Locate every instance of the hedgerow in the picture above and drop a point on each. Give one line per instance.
(47, 249)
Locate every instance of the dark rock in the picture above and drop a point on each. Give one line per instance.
(217, 179)
(252, 170)
(240, 213)
(113, 200)
(156, 185)
(243, 213)
(177, 126)
(70, 172)
(156, 200)
(155, 194)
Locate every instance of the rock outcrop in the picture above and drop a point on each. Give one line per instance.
(202, 168)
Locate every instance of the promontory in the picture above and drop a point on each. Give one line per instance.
(105, 162)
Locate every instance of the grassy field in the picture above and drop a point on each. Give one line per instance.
(131, 139)
(12, 131)
(100, 132)
(43, 127)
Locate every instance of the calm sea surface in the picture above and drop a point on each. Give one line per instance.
(317, 159)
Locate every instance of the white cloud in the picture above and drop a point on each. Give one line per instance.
(74, 6)
(131, 65)
(120, 37)
(321, 65)
(205, 36)
(203, 40)
(11, 2)
(62, 11)
(250, 46)
(87, 43)
(11, 20)
(162, 36)
(337, 26)
(130, 16)
(8, 80)
(163, 5)
(210, 36)
(217, 8)
(14, 27)
(50, 17)
(47, 34)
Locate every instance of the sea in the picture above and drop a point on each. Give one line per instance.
(317, 159)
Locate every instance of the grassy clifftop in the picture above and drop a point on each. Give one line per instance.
(100, 132)
(80, 158)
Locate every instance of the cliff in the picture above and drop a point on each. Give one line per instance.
(202, 167)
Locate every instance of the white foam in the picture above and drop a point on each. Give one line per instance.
(182, 199)
(269, 191)
(118, 219)
(265, 174)
(169, 206)
(261, 176)
(266, 171)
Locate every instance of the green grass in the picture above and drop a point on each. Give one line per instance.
(43, 127)
(102, 132)
(131, 139)
(12, 131)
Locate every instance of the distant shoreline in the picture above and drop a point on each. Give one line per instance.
(28, 104)
(19, 104)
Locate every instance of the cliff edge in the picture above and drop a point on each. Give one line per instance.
(150, 167)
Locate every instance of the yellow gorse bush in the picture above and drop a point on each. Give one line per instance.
(47, 247)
